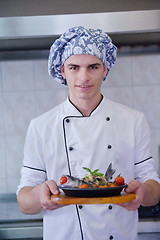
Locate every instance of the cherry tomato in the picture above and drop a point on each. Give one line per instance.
(63, 179)
(119, 180)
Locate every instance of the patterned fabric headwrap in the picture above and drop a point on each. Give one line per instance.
(78, 40)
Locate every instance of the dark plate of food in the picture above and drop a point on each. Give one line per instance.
(93, 184)
(93, 192)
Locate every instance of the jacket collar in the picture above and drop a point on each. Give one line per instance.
(71, 110)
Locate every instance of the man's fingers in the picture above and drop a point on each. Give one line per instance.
(52, 186)
(48, 188)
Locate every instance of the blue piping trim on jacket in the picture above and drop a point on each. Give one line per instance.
(69, 168)
(65, 143)
(143, 161)
(90, 112)
(80, 225)
(37, 169)
(65, 140)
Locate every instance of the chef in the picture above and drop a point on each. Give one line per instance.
(87, 130)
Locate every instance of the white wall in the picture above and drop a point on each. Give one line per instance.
(26, 91)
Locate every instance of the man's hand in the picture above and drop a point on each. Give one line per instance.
(47, 189)
(32, 200)
(138, 189)
(147, 194)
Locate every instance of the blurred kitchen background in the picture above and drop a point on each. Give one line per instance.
(26, 90)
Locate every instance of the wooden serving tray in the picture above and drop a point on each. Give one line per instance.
(64, 199)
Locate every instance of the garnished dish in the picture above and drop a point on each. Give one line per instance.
(93, 184)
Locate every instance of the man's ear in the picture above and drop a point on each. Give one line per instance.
(62, 72)
(105, 71)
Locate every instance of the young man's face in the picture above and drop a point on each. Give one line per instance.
(84, 74)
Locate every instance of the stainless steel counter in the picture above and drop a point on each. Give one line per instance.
(16, 225)
(33, 229)
(30, 229)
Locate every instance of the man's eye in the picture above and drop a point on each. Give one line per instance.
(74, 68)
(93, 67)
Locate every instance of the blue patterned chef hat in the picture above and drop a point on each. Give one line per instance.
(78, 40)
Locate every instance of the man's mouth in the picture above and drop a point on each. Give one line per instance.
(84, 86)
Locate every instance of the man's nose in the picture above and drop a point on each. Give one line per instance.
(84, 75)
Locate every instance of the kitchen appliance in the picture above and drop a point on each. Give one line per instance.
(39, 32)
(149, 212)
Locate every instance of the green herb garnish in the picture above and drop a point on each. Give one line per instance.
(94, 173)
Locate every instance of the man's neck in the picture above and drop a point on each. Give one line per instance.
(86, 107)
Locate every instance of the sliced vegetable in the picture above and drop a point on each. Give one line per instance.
(112, 185)
(95, 186)
(103, 186)
(83, 186)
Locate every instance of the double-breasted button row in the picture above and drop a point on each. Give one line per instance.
(107, 119)
(110, 207)
(109, 146)
(71, 148)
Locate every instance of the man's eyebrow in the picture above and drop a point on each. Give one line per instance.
(73, 64)
(93, 64)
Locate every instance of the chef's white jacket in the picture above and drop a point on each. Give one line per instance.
(63, 141)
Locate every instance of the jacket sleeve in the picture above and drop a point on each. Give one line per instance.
(144, 163)
(33, 171)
